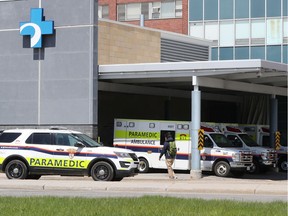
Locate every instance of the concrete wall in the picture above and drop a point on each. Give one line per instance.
(57, 84)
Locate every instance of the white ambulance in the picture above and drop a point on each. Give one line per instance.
(146, 139)
(261, 134)
(263, 157)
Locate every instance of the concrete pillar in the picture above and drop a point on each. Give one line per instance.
(195, 172)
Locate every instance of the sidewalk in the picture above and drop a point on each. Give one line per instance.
(155, 182)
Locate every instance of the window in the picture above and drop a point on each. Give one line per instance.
(257, 52)
(241, 52)
(168, 9)
(65, 139)
(214, 54)
(196, 10)
(211, 9)
(273, 8)
(151, 10)
(178, 8)
(258, 31)
(226, 33)
(226, 53)
(39, 138)
(235, 140)
(121, 12)
(274, 31)
(145, 10)
(242, 32)
(208, 142)
(196, 30)
(103, 11)
(274, 53)
(285, 57)
(226, 9)
(155, 10)
(8, 137)
(257, 8)
(285, 31)
(241, 8)
(285, 8)
(211, 31)
(133, 11)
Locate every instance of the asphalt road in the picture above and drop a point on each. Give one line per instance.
(261, 188)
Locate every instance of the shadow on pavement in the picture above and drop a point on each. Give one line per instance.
(268, 175)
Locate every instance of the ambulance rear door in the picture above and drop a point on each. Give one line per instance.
(183, 142)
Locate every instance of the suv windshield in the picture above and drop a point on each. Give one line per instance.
(87, 141)
(221, 140)
(248, 140)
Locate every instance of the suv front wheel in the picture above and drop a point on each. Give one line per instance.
(16, 169)
(102, 171)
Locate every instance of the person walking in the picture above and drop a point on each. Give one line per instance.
(169, 150)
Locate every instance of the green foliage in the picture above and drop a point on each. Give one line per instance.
(147, 205)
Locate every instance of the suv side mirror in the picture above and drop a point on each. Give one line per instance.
(79, 145)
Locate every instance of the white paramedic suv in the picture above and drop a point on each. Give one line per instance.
(31, 153)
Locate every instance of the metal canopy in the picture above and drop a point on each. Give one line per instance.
(255, 76)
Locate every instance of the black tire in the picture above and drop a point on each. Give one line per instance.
(143, 165)
(16, 169)
(102, 171)
(282, 164)
(117, 179)
(238, 173)
(34, 177)
(222, 169)
(254, 168)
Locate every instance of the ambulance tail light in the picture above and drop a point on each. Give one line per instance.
(265, 130)
(207, 129)
(233, 129)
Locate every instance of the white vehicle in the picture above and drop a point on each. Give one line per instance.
(261, 133)
(146, 139)
(263, 157)
(31, 153)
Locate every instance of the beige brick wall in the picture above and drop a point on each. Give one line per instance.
(122, 44)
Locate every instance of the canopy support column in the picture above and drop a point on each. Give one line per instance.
(195, 172)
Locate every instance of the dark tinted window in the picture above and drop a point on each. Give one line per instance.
(39, 138)
(65, 139)
(8, 137)
(208, 142)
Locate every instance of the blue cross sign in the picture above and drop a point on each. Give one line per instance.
(36, 27)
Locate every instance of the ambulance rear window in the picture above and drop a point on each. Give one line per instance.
(8, 137)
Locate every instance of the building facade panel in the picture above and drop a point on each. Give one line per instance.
(56, 84)
(18, 9)
(69, 12)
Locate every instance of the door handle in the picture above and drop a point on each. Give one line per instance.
(60, 149)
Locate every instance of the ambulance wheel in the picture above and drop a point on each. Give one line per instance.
(16, 169)
(254, 168)
(143, 165)
(238, 173)
(102, 171)
(282, 164)
(222, 169)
